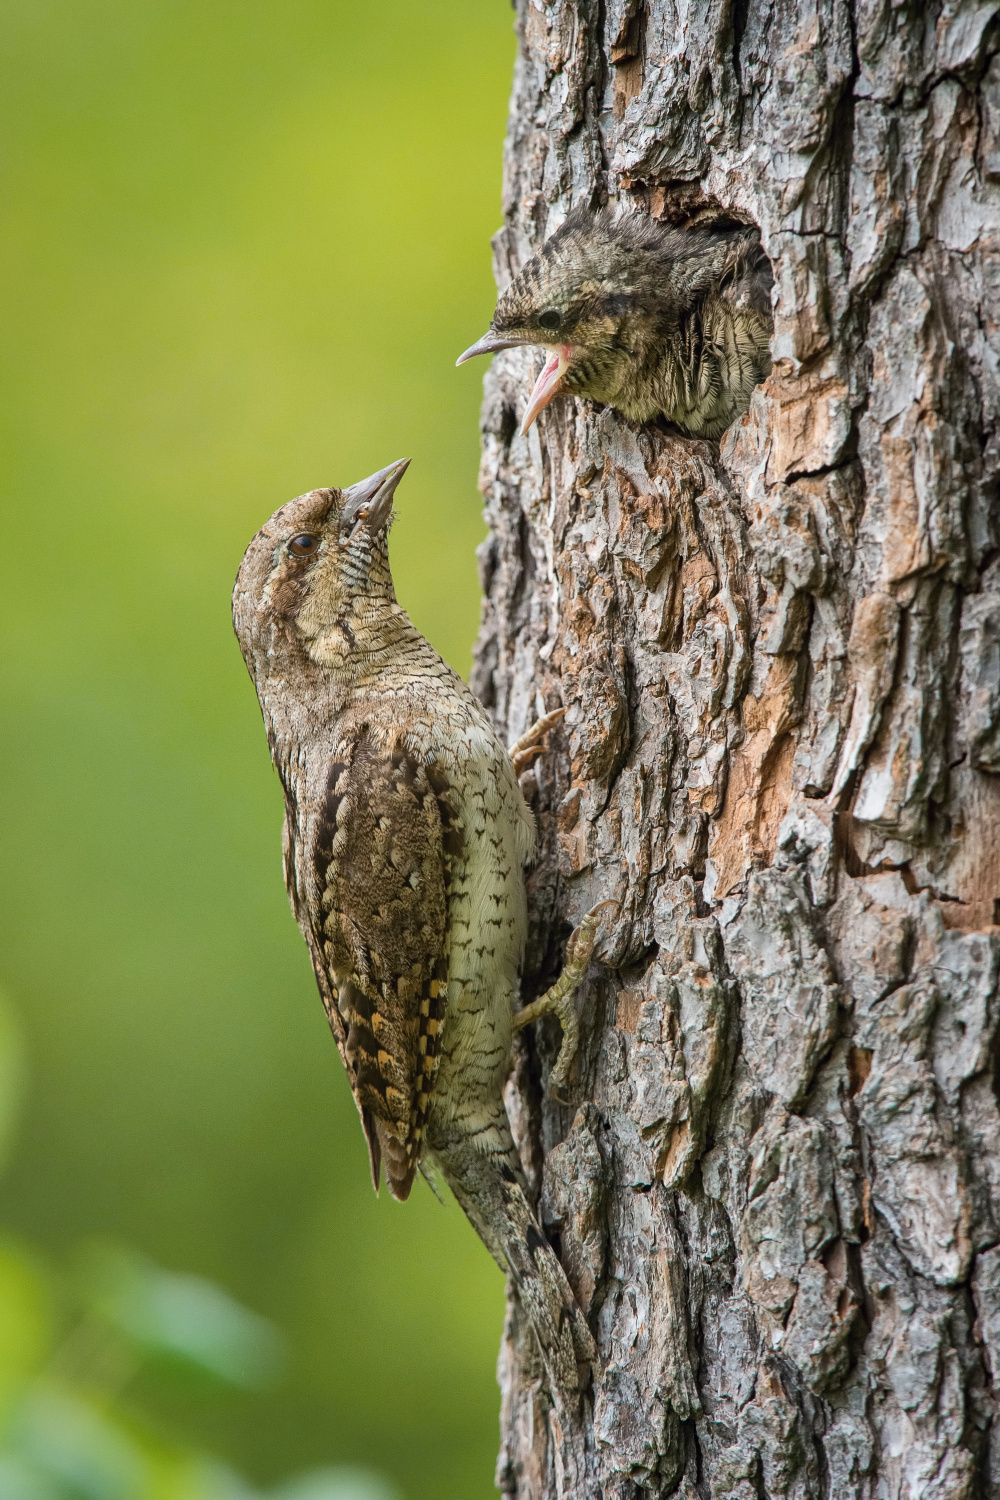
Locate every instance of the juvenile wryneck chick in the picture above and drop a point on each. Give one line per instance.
(646, 318)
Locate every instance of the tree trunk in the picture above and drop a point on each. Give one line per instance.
(776, 1190)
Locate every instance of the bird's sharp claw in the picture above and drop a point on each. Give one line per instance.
(525, 751)
(558, 1000)
(591, 923)
(525, 759)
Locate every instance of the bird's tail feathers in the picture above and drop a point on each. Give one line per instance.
(490, 1190)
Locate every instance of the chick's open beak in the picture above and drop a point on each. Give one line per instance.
(490, 343)
(548, 384)
(369, 502)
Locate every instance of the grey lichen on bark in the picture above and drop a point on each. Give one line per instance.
(776, 1189)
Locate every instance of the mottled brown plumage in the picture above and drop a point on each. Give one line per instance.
(381, 862)
(649, 319)
(406, 835)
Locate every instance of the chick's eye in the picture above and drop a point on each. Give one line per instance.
(549, 319)
(304, 545)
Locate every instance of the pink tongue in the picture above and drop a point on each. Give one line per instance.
(545, 379)
(546, 386)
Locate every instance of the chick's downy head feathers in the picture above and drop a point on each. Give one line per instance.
(310, 564)
(613, 295)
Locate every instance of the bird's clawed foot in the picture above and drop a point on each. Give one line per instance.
(525, 751)
(559, 999)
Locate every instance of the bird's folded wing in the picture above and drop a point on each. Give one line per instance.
(381, 869)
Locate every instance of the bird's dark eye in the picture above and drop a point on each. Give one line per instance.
(549, 319)
(304, 545)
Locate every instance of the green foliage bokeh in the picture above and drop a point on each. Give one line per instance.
(243, 244)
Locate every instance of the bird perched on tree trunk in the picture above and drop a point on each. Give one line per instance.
(406, 835)
(649, 319)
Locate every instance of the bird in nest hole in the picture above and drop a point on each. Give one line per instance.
(649, 319)
(406, 835)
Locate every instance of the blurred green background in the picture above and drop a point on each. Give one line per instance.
(243, 244)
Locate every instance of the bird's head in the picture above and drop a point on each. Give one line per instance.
(313, 571)
(582, 297)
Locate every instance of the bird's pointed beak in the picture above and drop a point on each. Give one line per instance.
(548, 384)
(369, 503)
(490, 343)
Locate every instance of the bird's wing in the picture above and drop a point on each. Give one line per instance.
(387, 834)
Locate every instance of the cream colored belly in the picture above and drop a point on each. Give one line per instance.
(487, 921)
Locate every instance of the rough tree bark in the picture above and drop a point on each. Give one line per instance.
(777, 1188)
